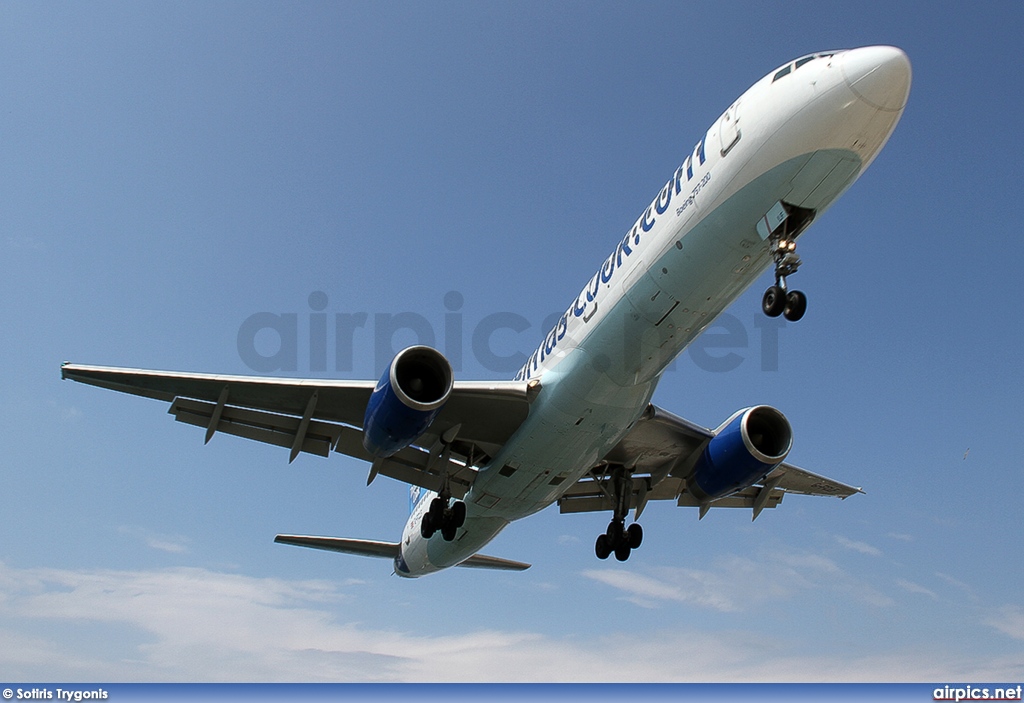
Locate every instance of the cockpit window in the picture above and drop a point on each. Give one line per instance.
(800, 62)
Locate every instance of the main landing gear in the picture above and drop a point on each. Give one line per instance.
(777, 300)
(618, 538)
(443, 516)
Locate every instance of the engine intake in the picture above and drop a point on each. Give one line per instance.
(411, 392)
(744, 449)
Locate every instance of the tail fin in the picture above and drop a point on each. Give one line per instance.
(415, 493)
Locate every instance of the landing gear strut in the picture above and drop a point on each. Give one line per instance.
(444, 515)
(777, 299)
(618, 538)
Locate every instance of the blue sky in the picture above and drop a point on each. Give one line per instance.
(169, 170)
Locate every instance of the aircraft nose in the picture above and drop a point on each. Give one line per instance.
(878, 75)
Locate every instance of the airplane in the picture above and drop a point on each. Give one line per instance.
(576, 425)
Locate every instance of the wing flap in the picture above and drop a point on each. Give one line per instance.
(747, 498)
(586, 496)
(413, 465)
(270, 428)
(793, 479)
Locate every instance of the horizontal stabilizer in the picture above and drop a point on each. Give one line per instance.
(364, 547)
(482, 561)
(389, 550)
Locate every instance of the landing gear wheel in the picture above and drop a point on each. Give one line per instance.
(459, 513)
(634, 536)
(603, 547)
(796, 305)
(778, 299)
(448, 531)
(774, 301)
(436, 511)
(614, 532)
(427, 527)
(622, 551)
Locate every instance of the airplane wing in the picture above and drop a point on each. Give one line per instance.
(390, 550)
(662, 448)
(319, 416)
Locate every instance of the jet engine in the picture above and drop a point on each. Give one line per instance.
(744, 449)
(410, 394)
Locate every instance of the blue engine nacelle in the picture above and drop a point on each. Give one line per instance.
(749, 445)
(410, 394)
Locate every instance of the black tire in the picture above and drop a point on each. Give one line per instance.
(602, 548)
(774, 301)
(635, 535)
(436, 512)
(459, 513)
(796, 305)
(448, 532)
(427, 527)
(622, 551)
(614, 533)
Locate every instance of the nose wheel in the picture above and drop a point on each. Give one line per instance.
(778, 300)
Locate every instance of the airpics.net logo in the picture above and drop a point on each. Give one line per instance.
(320, 340)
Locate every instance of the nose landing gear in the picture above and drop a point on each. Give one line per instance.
(778, 300)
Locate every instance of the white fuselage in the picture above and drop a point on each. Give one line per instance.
(801, 137)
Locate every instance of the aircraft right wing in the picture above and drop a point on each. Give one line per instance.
(319, 416)
(661, 448)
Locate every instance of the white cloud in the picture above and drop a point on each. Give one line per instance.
(1009, 620)
(67, 413)
(681, 585)
(968, 591)
(165, 543)
(739, 583)
(901, 537)
(912, 587)
(861, 547)
(196, 624)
